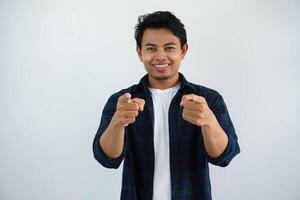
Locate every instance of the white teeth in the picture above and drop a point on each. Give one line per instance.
(161, 66)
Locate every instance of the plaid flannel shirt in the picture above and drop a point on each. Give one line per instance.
(188, 158)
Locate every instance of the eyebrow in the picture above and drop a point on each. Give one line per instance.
(150, 44)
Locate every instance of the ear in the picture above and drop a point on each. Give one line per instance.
(139, 52)
(184, 50)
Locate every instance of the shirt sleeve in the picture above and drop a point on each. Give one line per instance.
(100, 156)
(232, 149)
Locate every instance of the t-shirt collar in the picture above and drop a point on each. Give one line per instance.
(185, 86)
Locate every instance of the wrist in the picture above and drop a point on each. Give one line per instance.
(115, 125)
(211, 124)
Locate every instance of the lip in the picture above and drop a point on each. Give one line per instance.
(161, 65)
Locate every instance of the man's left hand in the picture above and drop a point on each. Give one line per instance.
(196, 110)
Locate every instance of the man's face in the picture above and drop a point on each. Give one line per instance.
(161, 54)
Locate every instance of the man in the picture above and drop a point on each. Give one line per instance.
(165, 128)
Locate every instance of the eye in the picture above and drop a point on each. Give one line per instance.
(151, 49)
(170, 48)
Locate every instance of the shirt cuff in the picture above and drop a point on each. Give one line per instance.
(105, 160)
(230, 151)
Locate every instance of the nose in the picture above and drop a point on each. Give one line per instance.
(161, 55)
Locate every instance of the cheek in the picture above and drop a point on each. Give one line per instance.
(147, 58)
(175, 58)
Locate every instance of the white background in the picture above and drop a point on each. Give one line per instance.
(61, 60)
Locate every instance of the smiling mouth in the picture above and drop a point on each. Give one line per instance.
(161, 66)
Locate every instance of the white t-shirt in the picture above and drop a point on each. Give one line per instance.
(162, 178)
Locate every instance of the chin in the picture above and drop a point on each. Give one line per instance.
(160, 78)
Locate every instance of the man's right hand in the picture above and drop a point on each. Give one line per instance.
(127, 110)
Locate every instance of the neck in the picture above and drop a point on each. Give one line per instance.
(163, 84)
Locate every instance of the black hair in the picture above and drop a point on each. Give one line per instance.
(157, 20)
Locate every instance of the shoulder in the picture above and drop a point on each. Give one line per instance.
(204, 91)
(212, 96)
(111, 103)
(131, 89)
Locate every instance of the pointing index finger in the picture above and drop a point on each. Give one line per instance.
(140, 102)
(125, 97)
(193, 98)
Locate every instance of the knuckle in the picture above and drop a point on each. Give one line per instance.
(121, 106)
(131, 120)
(136, 106)
(202, 99)
(121, 121)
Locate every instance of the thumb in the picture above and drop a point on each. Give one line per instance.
(125, 97)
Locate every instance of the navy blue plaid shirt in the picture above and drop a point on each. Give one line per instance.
(188, 158)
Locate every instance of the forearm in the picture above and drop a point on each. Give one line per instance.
(112, 140)
(215, 139)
